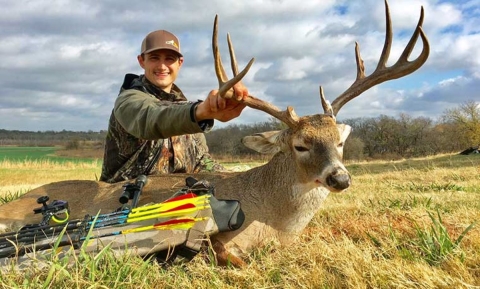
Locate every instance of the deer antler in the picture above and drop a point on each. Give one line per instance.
(382, 73)
(288, 116)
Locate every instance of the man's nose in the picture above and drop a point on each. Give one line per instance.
(162, 64)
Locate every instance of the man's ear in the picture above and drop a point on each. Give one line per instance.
(141, 61)
(180, 61)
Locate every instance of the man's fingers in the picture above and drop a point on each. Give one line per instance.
(240, 91)
(221, 102)
(212, 103)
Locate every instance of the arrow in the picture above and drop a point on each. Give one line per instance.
(169, 204)
(176, 224)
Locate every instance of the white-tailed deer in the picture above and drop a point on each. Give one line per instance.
(279, 198)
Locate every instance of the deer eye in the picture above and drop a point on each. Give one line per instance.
(340, 145)
(301, 149)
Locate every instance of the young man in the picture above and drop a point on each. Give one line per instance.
(153, 128)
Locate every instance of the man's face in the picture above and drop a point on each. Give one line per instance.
(161, 67)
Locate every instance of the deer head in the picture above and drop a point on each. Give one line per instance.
(316, 141)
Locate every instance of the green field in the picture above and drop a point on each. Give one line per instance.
(15, 154)
(25, 168)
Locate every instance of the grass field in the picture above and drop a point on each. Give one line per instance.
(28, 154)
(25, 168)
(402, 224)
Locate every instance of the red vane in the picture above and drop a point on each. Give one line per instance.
(173, 222)
(182, 207)
(181, 197)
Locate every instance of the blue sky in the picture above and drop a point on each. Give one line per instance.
(63, 61)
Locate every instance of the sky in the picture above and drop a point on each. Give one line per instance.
(63, 62)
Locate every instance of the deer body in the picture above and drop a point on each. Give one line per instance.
(279, 198)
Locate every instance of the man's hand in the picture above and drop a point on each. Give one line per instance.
(222, 109)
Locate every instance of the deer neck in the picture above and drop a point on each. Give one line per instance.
(274, 190)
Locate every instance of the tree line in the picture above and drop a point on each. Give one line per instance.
(382, 137)
(49, 138)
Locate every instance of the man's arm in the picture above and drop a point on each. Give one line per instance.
(145, 117)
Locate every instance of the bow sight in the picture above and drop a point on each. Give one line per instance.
(52, 211)
(132, 192)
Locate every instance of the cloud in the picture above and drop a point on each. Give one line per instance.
(64, 61)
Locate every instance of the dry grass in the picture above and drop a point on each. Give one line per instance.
(85, 152)
(391, 229)
(26, 175)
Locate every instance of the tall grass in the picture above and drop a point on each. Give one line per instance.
(403, 224)
(436, 242)
(48, 164)
(18, 176)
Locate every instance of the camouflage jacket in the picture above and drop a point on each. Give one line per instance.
(151, 131)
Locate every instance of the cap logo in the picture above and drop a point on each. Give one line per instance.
(171, 42)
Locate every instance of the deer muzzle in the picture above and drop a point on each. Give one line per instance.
(339, 180)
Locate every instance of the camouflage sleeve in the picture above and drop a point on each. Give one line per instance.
(205, 162)
(208, 164)
(146, 117)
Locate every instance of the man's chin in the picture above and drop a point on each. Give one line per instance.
(163, 84)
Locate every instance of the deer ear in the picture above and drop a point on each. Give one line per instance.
(265, 142)
(344, 131)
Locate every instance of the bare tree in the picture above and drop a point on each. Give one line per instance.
(466, 118)
(354, 149)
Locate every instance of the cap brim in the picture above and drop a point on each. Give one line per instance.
(159, 48)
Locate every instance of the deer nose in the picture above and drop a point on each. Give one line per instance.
(339, 180)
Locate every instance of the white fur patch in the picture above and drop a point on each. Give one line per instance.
(307, 206)
(3, 227)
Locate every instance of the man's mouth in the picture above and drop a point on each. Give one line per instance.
(161, 74)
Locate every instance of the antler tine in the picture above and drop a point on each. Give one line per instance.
(224, 84)
(327, 107)
(382, 73)
(221, 75)
(289, 116)
(233, 59)
(411, 44)
(382, 62)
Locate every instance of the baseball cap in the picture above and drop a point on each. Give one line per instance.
(160, 39)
